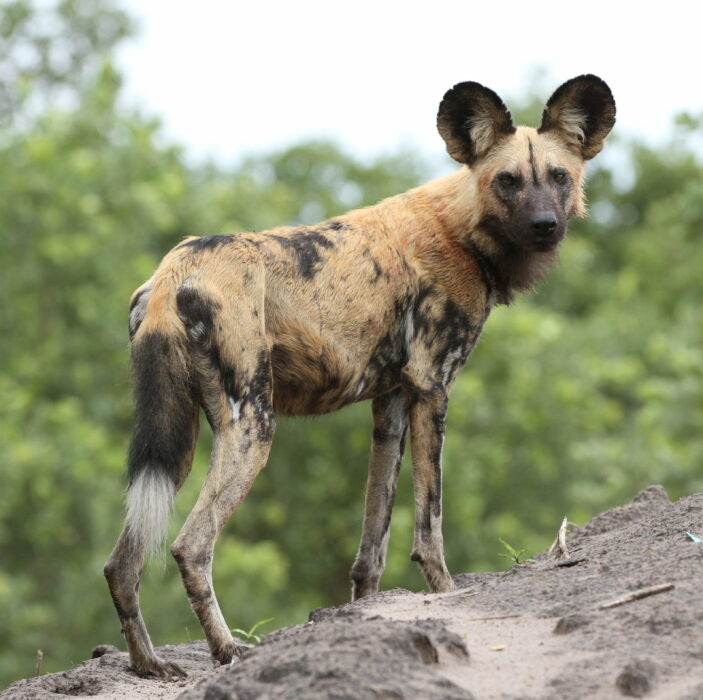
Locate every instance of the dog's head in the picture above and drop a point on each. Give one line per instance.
(530, 181)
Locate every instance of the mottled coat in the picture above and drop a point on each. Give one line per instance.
(383, 303)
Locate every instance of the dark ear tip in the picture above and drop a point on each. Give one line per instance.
(589, 87)
(468, 90)
(461, 92)
(466, 86)
(593, 82)
(591, 78)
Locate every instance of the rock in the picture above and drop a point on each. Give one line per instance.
(569, 623)
(103, 649)
(636, 679)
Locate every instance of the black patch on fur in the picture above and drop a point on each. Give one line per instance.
(179, 558)
(389, 492)
(533, 165)
(389, 356)
(387, 359)
(452, 330)
(358, 574)
(485, 266)
(136, 315)
(381, 435)
(197, 312)
(202, 559)
(444, 327)
(306, 247)
(421, 316)
(281, 356)
(136, 299)
(378, 270)
(500, 267)
(165, 412)
(259, 391)
(208, 242)
(334, 225)
(198, 315)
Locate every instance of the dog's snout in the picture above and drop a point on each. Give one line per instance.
(544, 223)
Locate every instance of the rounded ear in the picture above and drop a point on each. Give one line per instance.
(582, 111)
(471, 120)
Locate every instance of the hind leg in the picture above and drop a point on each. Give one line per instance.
(233, 372)
(390, 419)
(241, 447)
(123, 571)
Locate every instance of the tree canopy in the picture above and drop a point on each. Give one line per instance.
(576, 397)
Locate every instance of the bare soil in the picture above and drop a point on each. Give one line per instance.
(536, 631)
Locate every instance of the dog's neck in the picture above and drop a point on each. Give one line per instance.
(451, 209)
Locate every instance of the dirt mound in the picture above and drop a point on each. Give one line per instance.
(346, 658)
(545, 629)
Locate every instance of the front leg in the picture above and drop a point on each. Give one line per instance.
(390, 421)
(428, 414)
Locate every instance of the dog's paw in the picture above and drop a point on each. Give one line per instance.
(230, 653)
(158, 668)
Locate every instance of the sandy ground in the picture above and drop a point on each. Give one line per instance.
(536, 631)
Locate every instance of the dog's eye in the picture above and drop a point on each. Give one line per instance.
(559, 176)
(507, 180)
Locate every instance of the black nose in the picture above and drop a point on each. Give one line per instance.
(544, 222)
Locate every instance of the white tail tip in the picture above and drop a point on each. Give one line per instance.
(149, 504)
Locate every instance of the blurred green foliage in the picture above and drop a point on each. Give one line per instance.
(576, 397)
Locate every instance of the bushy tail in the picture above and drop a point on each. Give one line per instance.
(165, 430)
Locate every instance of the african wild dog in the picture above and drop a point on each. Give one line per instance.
(383, 303)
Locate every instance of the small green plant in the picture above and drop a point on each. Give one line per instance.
(251, 636)
(513, 554)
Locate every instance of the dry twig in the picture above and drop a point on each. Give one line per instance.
(560, 540)
(636, 595)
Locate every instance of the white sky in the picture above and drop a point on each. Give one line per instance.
(239, 76)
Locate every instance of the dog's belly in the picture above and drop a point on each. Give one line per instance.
(317, 378)
(290, 399)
